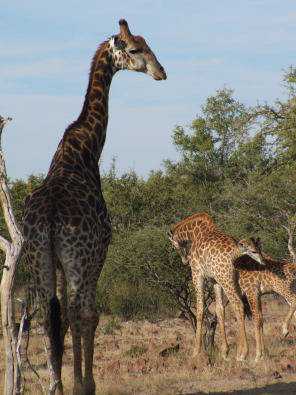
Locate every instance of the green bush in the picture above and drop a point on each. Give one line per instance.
(140, 274)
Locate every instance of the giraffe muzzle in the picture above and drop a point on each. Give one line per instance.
(159, 76)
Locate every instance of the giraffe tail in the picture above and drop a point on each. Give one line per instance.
(247, 308)
(56, 326)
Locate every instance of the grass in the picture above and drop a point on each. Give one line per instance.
(129, 359)
(136, 351)
(111, 326)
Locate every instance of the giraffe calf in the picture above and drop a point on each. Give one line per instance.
(256, 280)
(212, 253)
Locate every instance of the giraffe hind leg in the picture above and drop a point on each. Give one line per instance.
(43, 271)
(90, 318)
(256, 308)
(61, 290)
(287, 320)
(238, 309)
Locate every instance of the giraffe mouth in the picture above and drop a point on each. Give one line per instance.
(160, 76)
(157, 78)
(157, 75)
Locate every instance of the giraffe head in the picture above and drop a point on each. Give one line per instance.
(131, 52)
(182, 246)
(251, 247)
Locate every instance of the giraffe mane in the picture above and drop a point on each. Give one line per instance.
(99, 50)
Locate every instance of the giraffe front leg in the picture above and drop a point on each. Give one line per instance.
(242, 349)
(220, 311)
(198, 282)
(62, 296)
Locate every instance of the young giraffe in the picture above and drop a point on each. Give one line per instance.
(211, 253)
(66, 225)
(256, 280)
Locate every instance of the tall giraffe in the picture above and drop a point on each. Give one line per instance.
(211, 253)
(66, 225)
(256, 280)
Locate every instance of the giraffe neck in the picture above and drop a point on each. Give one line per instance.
(82, 144)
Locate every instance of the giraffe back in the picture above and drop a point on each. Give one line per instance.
(274, 276)
(210, 248)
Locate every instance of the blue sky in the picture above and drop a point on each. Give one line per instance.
(46, 49)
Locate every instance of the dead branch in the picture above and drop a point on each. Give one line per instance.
(12, 250)
(23, 343)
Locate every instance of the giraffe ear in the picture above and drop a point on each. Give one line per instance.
(257, 242)
(118, 43)
(186, 244)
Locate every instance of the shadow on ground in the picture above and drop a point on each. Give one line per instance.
(273, 389)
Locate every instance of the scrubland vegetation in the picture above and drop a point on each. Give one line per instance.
(236, 162)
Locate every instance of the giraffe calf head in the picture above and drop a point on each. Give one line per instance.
(183, 248)
(251, 247)
(133, 53)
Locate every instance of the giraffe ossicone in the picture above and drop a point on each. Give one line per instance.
(66, 225)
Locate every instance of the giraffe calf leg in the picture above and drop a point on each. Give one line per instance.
(286, 323)
(220, 311)
(199, 353)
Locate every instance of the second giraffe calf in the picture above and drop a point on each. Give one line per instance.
(256, 280)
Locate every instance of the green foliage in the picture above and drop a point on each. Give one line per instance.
(212, 138)
(238, 163)
(139, 274)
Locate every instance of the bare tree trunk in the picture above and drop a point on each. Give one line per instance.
(12, 250)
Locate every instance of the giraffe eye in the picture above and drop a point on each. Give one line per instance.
(133, 51)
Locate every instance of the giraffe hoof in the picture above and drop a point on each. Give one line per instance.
(78, 389)
(89, 388)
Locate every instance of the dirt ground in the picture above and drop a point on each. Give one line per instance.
(129, 359)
